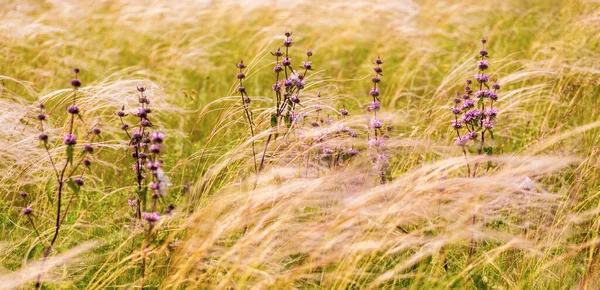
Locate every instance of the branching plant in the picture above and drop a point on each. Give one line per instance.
(68, 168)
(146, 147)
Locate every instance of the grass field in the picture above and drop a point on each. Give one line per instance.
(241, 197)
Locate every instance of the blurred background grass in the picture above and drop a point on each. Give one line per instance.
(544, 53)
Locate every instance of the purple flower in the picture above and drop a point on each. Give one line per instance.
(124, 127)
(482, 78)
(151, 217)
(307, 65)
(483, 52)
(476, 113)
(288, 82)
(240, 76)
(374, 106)
(491, 112)
(318, 107)
(295, 99)
(70, 139)
(145, 123)
(352, 151)
(41, 117)
(456, 124)
(378, 69)
(344, 112)
(376, 123)
(155, 149)
(472, 135)
(488, 124)
(27, 211)
(157, 137)
(327, 151)
(496, 86)
(43, 137)
(96, 131)
(456, 110)
(381, 163)
(468, 104)
(23, 194)
(287, 42)
(483, 64)
(375, 80)
(374, 92)
(461, 141)
(493, 96)
(73, 110)
(120, 113)
(277, 68)
(132, 202)
(482, 94)
(87, 162)
(152, 165)
(277, 87)
(300, 84)
(286, 61)
(241, 89)
(136, 134)
(141, 113)
(376, 142)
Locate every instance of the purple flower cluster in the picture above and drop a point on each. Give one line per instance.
(145, 149)
(476, 108)
(288, 82)
(376, 140)
(151, 217)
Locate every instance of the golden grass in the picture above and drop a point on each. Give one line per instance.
(303, 223)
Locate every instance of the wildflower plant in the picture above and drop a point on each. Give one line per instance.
(245, 104)
(376, 135)
(69, 168)
(146, 148)
(474, 111)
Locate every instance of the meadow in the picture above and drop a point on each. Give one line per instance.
(388, 144)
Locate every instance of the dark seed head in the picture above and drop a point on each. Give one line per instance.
(96, 131)
(73, 110)
(76, 70)
(78, 181)
(76, 83)
(241, 65)
(27, 211)
(41, 117)
(43, 137)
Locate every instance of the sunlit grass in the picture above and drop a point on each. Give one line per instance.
(537, 198)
